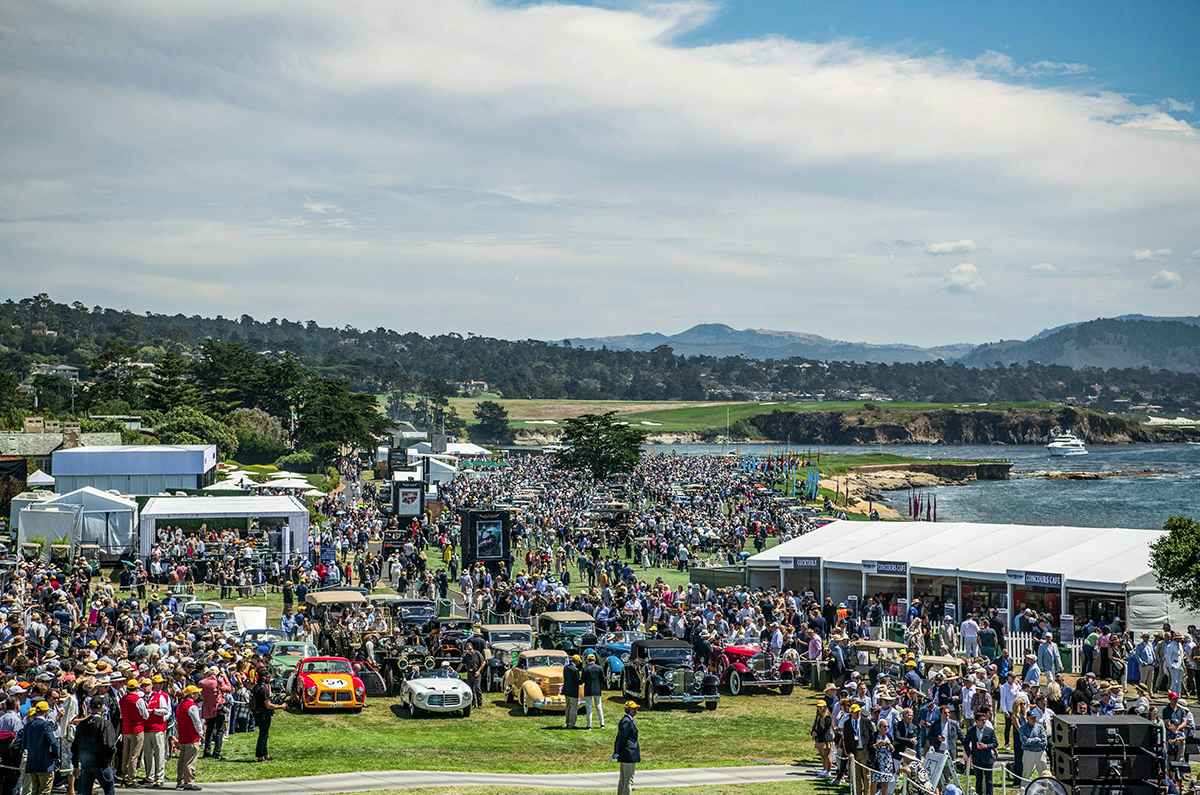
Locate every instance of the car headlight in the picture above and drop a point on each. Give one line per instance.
(310, 691)
(625, 657)
(358, 691)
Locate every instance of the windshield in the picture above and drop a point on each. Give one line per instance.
(671, 656)
(576, 627)
(440, 673)
(539, 660)
(290, 647)
(327, 667)
(623, 637)
(416, 611)
(509, 636)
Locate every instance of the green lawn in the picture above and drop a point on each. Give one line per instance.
(764, 728)
(714, 416)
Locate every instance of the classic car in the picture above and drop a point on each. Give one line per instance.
(410, 613)
(438, 689)
(566, 630)
(535, 682)
(665, 672)
(612, 652)
(503, 643)
(750, 665)
(197, 610)
(327, 683)
(259, 637)
(452, 634)
(285, 654)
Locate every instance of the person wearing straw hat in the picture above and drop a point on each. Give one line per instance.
(625, 748)
(39, 738)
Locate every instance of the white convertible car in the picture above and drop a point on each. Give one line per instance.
(437, 690)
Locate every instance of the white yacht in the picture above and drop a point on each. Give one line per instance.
(1066, 443)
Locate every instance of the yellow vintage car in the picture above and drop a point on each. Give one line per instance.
(327, 683)
(535, 681)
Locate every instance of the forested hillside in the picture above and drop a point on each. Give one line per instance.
(1115, 342)
(107, 345)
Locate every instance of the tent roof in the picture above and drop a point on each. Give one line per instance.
(93, 499)
(1114, 556)
(39, 478)
(285, 483)
(216, 507)
(452, 448)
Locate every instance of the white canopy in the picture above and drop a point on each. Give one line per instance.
(299, 485)
(84, 516)
(314, 493)
(226, 485)
(249, 507)
(39, 479)
(1085, 556)
(283, 474)
(467, 449)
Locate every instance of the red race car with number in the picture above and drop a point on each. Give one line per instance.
(327, 683)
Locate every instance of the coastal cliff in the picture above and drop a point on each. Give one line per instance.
(953, 426)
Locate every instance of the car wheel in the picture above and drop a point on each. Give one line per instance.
(651, 701)
(787, 689)
(710, 705)
(735, 683)
(508, 699)
(524, 704)
(466, 712)
(608, 677)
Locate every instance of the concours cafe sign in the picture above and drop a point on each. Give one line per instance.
(885, 568)
(1034, 579)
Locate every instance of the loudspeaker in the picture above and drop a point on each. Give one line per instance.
(1136, 788)
(1103, 768)
(1087, 733)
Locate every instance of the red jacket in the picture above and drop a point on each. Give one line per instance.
(156, 724)
(183, 723)
(131, 717)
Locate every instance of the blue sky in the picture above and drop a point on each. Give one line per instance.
(913, 172)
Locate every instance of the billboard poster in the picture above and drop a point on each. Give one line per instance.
(489, 538)
(408, 498)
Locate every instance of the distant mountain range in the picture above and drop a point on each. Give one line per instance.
(717, 339)
(1129, 341)
(1166, 343)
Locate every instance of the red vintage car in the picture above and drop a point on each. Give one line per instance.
(327, 683)
(752, 666)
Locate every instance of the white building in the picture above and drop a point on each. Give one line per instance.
(136, 469)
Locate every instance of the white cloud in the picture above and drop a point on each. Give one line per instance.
(964, 278)
(1178, 106)
(582, 149)
(1166, 280)
(1144, 254)
(1044, 268)
(1000, 63)
(1196, 254)
(950, 247)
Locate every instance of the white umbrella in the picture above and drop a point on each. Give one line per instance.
(281, 475)
(301, 485)
(226, 485)
(314, 493)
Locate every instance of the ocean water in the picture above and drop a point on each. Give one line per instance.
(1128, 501)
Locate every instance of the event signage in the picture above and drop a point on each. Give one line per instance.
(799, 563)
(408, 498)
(1034, 579)
(1066, 629)
(885, 568)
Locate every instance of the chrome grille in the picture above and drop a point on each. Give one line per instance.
(443, 700)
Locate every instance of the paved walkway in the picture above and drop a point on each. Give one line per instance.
(411, 779)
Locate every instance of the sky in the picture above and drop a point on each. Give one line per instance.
(916, 172)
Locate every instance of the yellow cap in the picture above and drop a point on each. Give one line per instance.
(132, 683)
(191, 690)
(158, 680)
(42, 706)
(146, 681)
(855, 708)
(632, 705)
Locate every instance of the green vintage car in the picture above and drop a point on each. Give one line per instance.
(285, 655)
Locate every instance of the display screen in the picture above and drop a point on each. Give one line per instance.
(408, 499)
(489, 539)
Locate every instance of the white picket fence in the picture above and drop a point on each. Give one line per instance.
(1018, 644)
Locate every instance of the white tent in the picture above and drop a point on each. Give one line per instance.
(23, 501)
(1110, 560)
(51, 524)
(441, 471)
(283, 474)
(107, 520)
(297, 485)
(226, 485)
(158, 509)
(39, 480)
(463, 449)
(314, 493)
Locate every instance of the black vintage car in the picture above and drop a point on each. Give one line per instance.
(502, 644)
(571, 631)
(666, 672)
(407, 613)
(452, 634)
